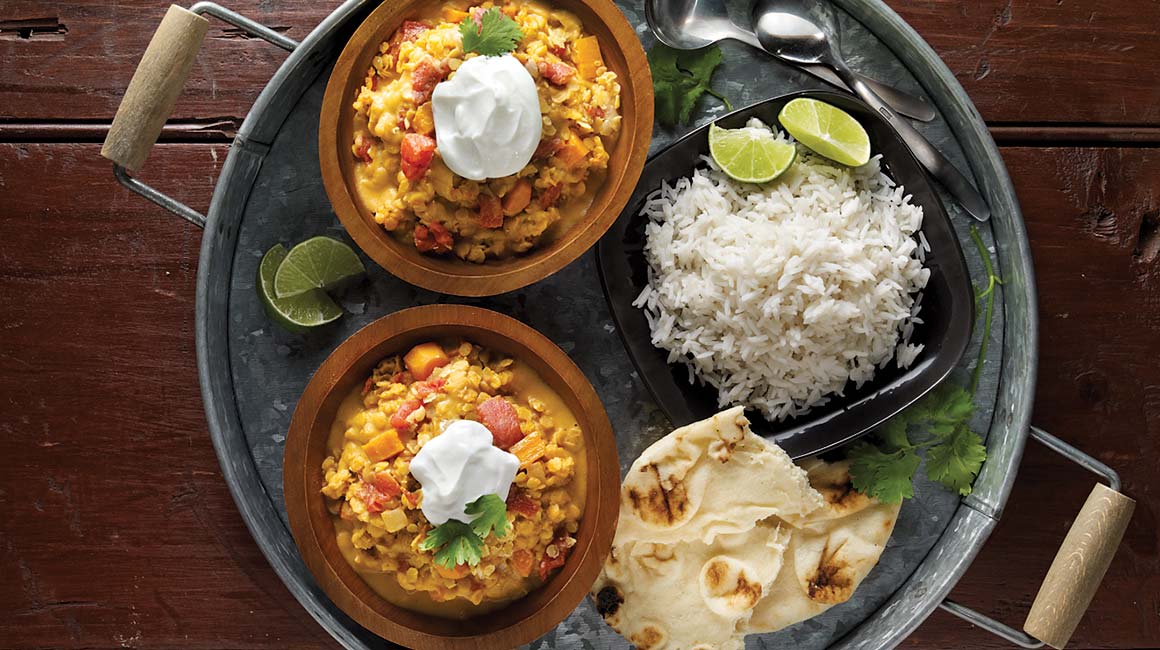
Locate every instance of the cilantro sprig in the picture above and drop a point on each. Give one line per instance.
(680, 78)
(492, 34)
(456, 542)
(954, 452)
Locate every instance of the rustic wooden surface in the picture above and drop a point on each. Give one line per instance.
(116, 529)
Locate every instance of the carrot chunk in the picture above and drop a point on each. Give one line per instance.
(424, 358)
(586, 54)
(383, 446)
(517, 197)
(529, 450)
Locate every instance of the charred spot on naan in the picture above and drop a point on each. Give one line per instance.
(738, 591)
(648, 638)
(833, 480)
(653, 503)
(832, 582)
(608, 602)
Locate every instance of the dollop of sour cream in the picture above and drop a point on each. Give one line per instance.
(457, 467)
(487, 118)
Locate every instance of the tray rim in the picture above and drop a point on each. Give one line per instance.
(931, 580)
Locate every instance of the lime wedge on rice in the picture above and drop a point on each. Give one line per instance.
(318, 263)
(752, 154)
(827, 130)
(298, 313)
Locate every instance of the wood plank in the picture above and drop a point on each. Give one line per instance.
(1065, 61)
(118, 528)
(1047, 60)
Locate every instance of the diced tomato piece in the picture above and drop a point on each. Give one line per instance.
(521, 503)
(386, 484)
(443, 237)
(415, 155)
(424, 242)
(559, 50)
(411, 499)
(399, 419)
(375, 500)
(490, 211)
(548, 563)
(557, 74)
(596, 111)
(409, 31)
(500, 417)
(548, 148)
(523, 561)
(424, 79)
(401, 377)
(363, 149)
(368, 385)
(454, 573)
(549, 196)
(426, 388)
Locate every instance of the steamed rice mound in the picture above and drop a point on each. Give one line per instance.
(779, 294)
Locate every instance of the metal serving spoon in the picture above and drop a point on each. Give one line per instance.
(693, 24)
(785, 30)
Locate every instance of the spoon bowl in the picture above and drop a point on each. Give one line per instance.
(692, 24)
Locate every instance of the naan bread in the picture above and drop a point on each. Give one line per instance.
(722, 535)
(713, 477)
(831, 551)
(690, 594)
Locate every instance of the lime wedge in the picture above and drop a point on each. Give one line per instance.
(317, 263)
(298, 313)
(827, 130)
(750, 155)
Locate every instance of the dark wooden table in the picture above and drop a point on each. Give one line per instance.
(116, 528)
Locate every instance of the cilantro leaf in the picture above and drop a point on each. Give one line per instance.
(676, 93)
(956, 461)
(457, 544)
(494, 34)
(492, 515)
(887, 476)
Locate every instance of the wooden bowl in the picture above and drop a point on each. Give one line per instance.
(622, 53)
(312, 525)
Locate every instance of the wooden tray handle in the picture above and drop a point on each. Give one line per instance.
(155, 86)
(1079, 566)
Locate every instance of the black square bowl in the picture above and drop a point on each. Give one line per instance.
(948, 305)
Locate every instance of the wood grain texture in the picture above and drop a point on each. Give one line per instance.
(1079, 566)
(622, 54)
(312, 524)
(1060, 61)
(103, 444)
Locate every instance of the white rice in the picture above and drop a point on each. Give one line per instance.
(779, 294)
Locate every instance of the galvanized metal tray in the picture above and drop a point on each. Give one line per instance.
(251, 372)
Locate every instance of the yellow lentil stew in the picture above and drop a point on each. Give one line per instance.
(401, 178)
(376, 502)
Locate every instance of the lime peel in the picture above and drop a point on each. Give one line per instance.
(826, 130)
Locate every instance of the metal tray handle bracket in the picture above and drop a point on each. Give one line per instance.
(155, 87)
(1079, 565)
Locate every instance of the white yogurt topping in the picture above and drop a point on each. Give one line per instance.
(487, 118)
(457, 467)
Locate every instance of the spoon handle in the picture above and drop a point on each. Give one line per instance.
(909, 105)
(936, 163)
(902, 102)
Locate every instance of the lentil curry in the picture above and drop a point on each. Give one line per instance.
(400, 177)
(376, 502)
